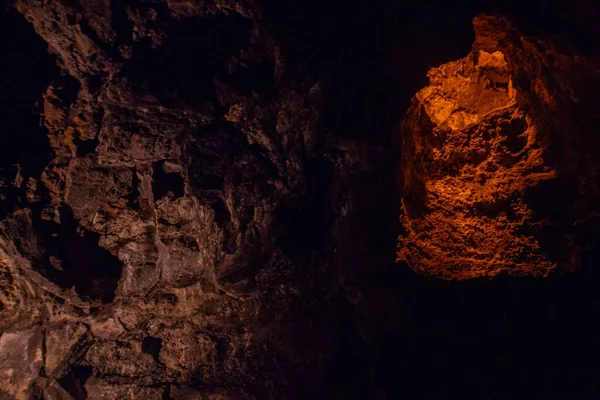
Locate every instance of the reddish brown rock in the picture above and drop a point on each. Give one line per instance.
(64, 346)
(100, 390)
(21, 361)
(484, 146)
(158, 208)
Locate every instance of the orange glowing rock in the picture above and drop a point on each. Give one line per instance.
(479, 155)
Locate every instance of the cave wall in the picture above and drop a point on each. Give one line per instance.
(212, 207)
(498, 160)
(164, 244)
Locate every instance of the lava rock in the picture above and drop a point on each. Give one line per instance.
(493, 177)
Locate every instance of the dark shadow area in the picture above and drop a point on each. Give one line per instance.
(164, 183)
(25, 72)
(553, 201)
(152, 346)
(72, 258)
(85, 147)
(66, 89)
(195, 51)
(223, 221)
(210, 157)
(75, 380)
(305, 221)
(493, 338)
(133, 198)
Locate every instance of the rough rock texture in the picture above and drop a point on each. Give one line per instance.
(198, 200)
(152, 251)
(498, 163)
(22, 361)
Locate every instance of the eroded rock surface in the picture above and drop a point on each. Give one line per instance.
(152, 240)
(497, 170)
(199, 198)
(22, 362)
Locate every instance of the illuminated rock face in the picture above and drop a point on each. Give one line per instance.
(202, 204)
(480, 151)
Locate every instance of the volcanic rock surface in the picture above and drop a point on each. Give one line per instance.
(150, 255)
(200, 199)
(498, 158)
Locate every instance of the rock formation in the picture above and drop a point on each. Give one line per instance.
(200, 199)
(498, 170)
(149, 254)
